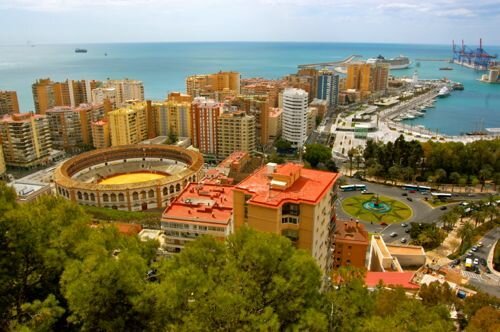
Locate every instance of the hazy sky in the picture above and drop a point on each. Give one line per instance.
(407, 21)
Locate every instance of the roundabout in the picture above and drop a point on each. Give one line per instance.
(375, 208)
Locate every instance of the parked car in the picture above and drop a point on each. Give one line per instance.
(474, 248)
(479, 244)
(403, 240)
(383, 224)
(407, 230)
(394, 234)
(404, 194)
(412, 191)
(404, 225)
(410, 199)
(443, 208)
(482, 261)
(476, 261)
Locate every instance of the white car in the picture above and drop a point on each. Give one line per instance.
(394, 234)
(476, 261)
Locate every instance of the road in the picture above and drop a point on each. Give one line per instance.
(422, 211)
(487, 282)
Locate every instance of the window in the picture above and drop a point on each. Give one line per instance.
(290, 208)
(290, 220)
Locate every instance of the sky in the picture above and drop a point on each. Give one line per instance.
(102, 21)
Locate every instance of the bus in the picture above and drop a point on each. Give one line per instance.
(441, 196)
(421, 189)
(353, 187)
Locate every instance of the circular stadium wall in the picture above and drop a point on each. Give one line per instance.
(129, 177)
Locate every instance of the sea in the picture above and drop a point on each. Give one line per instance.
(163, 68)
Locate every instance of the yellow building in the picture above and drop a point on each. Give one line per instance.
(367, 78)
(312, 113)
(100, 134)
(236, 133)
(174, 115)
(216, 86)
(292, 201)
(8, 102)
(133, 123)
(25, 139)
(258, 106)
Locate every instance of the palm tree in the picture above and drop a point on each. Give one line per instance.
(466, 232)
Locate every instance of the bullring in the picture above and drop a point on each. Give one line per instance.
(130, 177)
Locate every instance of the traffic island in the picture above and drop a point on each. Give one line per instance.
(375, 208)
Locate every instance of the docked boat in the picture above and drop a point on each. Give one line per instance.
(80, 50)
(457, 86)
(445, 68)
(400, 62)
(444, 92)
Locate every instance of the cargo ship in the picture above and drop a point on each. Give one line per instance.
(400, 62)
(80, 50)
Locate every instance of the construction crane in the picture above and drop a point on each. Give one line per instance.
(476, 59)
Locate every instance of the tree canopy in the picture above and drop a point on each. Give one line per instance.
(317, 153)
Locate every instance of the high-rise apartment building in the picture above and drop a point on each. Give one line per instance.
(295, 116)
(216, 86)
(128, 125)
(312, 114)
(124, 90)
(25, 139)
(100, 134)
(328, 87)
(258, 106)
(205, 114)
(291, 201)
(99, 95)
(8, 102)
(70, 127)
(48, 94)
(367, 78)
(236, 131)
(174, 115)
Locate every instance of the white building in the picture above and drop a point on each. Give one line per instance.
(295, 111)
(126, 90)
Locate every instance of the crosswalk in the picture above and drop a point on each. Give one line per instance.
(487, 279)
(472, 275)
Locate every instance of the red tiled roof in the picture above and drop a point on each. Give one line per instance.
(309, 187)
(128, 229)
(402, 279)
(202, 203)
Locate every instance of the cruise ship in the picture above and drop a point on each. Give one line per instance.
(444, 92)
(400, 62)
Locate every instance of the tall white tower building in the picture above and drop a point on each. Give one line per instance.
(294, 127)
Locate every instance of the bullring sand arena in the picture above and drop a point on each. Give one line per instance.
(130, 177)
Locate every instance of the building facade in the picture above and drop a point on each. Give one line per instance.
(274, 123)
(295, 110)
(200, 209)
(174, 115)
(216, 86)
(205, 115)
(350, 244)
(127, 126)
(2, 162)
(125, 90)
(291, 201)
(25, 139)
(328, 87)
(236, 132)
(100, 134)
(48, 94)
(8, 102)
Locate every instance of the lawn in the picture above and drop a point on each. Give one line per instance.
(353, 206)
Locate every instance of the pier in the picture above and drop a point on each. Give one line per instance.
(330, 64)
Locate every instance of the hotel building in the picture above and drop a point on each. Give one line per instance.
(8, 102)
(200, 209)
(48, 94)
(291, 201)
(295, 116)
(236, 132)
(205, 115)
(25, 139)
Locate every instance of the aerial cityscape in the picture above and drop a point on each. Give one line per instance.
(189, 181)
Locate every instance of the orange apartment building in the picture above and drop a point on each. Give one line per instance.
(350, 243)
(200, 209)
(205, 115)
(291, 201)
(216, 86)
(8, 102)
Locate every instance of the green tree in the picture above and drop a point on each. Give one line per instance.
(317, 153)
(282, 145)
(39, 316)
(486, 319)
(454, 179)
(257, 281)
(351, 153)
(395, 173)
(465, 233)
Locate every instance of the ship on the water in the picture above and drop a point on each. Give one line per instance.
(400, 62)
(443, 92)
(80, 50)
